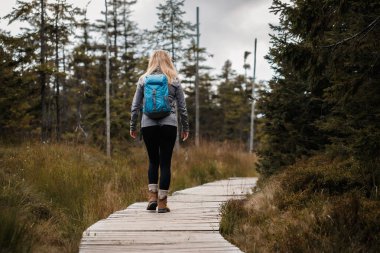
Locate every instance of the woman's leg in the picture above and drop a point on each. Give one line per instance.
(167, 137)
(151, 139)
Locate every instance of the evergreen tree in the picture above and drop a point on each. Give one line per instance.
(325, 94)
(171, 30)
(64, 20)
(19, 92)
(208, 107)
(34, 13)
(89, 74)
(234, 105)
(49, 25)
(80, 81)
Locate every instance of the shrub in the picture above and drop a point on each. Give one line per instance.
(316, 205)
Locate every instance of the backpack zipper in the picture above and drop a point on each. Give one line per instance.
(154, 99)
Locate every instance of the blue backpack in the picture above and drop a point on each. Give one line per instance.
(156, 96)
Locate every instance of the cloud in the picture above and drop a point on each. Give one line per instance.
(228, 28)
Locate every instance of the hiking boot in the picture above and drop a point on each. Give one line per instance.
(163, 205)
(152, 200)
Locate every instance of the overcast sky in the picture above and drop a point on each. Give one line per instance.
(227, 27)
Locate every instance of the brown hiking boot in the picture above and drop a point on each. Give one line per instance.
(152, 200)
(163, 205)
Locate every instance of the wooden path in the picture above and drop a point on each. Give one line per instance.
(191, 226)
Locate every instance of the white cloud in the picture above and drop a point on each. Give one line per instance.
(228, 28)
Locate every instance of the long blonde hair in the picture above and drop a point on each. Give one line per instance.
(161, 59)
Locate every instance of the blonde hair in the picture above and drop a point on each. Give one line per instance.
(161, 59)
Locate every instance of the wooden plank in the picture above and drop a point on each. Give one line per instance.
(155, 236)
(167, 246)
(218, 190)
(161, 249)
(191, 226)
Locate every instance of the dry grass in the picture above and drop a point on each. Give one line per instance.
(317, 205)
(59, 190)
(50, 193)
(211, 161)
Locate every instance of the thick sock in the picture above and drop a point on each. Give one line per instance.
(162, 193)
(153, 187)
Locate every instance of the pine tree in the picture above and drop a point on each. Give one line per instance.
(208, 107)
(89, 73)
(64, 20)
(171, 30)
(19, 92)
(234, 105)
(49, 25)
(81, 79)
(34, 13)
(325, 95)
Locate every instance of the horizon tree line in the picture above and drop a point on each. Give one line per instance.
(57, 64)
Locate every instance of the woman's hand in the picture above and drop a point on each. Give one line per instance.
(133, 134)
(184, 135)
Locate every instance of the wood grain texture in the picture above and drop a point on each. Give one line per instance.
(191, 226)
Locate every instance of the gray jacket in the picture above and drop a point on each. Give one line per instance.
(175, 95)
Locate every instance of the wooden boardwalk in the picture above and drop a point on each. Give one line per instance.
(191, 226)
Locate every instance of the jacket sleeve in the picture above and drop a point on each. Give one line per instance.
(181, 103)
(136, 105)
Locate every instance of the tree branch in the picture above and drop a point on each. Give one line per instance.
(365, 30)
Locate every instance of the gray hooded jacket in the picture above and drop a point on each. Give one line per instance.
(175, 95)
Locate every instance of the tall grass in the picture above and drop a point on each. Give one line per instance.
(316, 205)
(210, 161)
(50, 193)
(58, 190)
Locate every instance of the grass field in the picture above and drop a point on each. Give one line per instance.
(50, 193)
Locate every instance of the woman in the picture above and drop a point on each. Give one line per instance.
(160, 134)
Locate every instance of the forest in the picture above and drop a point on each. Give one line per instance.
(58, 64)
(317, 139)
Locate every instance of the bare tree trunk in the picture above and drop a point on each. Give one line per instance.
(58, 119)
(82, 85)
(125, 39)
(173, 58)
(108, 124)
(172, 37)
(43, 74)
(64, 94)
(115, 29)
(252, 126)
(49, 110)
(197, 86)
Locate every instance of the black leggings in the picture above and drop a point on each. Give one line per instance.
(159, 142)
